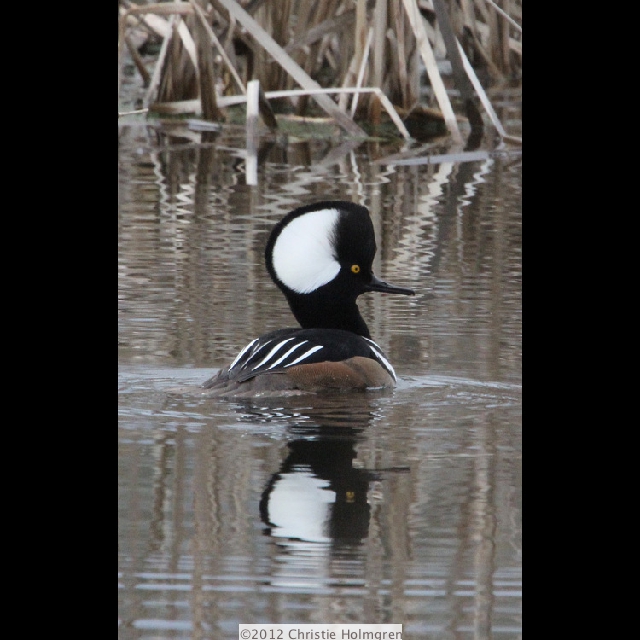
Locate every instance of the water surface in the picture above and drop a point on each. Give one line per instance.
(400, 506)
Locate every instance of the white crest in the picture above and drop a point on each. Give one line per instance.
(303, 255)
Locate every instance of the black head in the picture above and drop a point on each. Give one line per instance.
(321, 257)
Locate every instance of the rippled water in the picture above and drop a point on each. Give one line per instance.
(402, 506)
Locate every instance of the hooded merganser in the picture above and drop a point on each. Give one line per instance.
(320, 256)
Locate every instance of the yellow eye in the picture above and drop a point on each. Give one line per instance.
(355, 268)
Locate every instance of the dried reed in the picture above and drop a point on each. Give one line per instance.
(213, 49)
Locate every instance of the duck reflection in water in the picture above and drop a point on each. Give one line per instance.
(317, 495)
(316, 505)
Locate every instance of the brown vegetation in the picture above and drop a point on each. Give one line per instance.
(211, 49)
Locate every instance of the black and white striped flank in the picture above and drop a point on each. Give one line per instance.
(285, 348)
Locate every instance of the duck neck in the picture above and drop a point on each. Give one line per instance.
(344, 316)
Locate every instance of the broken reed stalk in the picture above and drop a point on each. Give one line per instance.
(319, 49)
(135, 56)
(486, 103)
(333, 25)
(363, 65)
(132, 112)
(460, 77)
(431, 65)
(215, 42)
(204, 47)
(156, 76)
(379, 35)
(140, 11)
(359, 47)
(510, 20)
(253, 111)
(403, 85)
